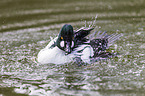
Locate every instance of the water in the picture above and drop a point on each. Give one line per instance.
(27, 26)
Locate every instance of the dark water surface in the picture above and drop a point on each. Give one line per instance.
(26, 26)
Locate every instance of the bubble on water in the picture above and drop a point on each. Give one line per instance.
(142, 46)
(138, 33)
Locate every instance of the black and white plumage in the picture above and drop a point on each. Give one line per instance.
(72, 45)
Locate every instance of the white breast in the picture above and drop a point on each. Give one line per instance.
(57, 56)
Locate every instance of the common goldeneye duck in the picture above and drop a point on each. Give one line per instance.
(72, 45)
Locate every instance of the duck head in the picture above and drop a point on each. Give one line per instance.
(65, 39)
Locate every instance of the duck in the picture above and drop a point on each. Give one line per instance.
(74, 46)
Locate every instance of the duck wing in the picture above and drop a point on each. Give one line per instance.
(99, 45)
(80, 35)
(102, 42)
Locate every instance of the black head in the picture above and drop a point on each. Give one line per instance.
(65, 39)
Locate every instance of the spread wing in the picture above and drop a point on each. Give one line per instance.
(80, 35)
(102, 42)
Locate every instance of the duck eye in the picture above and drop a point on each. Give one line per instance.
(61, 38)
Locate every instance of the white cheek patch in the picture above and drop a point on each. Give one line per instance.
(72, 44)
(62, 43)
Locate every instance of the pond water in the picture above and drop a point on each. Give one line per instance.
(26, 26)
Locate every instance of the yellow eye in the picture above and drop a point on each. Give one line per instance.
(72, 37)
(61, 37)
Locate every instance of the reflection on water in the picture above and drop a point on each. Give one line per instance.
(26, 29)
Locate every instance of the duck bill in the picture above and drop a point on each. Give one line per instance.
(68, 48)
